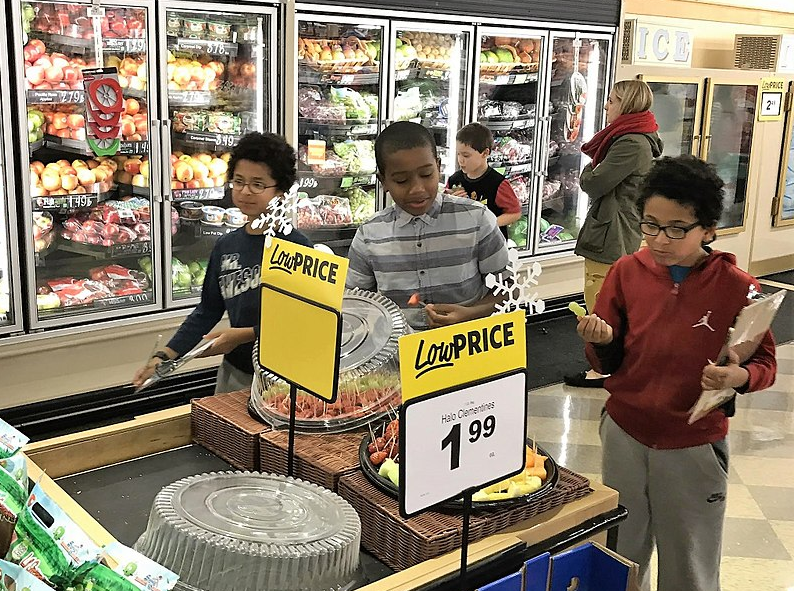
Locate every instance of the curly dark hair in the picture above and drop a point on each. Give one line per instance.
(403, 135)
(688, 181)
(270, 149)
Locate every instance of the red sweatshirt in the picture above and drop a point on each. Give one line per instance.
(664, 335)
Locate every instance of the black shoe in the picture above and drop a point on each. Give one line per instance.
(580, 380)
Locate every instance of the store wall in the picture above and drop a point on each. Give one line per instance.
(760, 247)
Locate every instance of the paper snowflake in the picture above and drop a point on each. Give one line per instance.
(517, 286)
(279, 215)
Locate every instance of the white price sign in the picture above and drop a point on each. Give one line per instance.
(461, 439)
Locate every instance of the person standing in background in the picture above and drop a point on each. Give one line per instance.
(621, 153)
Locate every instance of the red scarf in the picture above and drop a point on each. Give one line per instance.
(642, 122)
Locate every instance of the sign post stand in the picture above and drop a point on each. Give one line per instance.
(464, 412)
(293, 401)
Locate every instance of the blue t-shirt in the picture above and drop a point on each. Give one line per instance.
(679, 273)
(230, 285)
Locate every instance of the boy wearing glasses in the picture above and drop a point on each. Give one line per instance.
(661, 317)
(262, 167)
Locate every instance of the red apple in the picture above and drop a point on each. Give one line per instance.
(75, 121)
(71, 74)
(132, 166)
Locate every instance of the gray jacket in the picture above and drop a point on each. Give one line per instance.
(612, 226)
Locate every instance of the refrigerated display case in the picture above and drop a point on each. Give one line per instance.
(678, 107)
(10, 299)
(509, 88)
(728, 135)
(578, 79)
(783, 209)
(218, 83)
(341, 86)
(430, 82)
(92, 218)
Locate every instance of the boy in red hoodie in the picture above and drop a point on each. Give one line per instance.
(662, 315)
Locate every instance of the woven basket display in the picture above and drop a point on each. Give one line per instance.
(402, 543)
(222, 424)
(321, 459)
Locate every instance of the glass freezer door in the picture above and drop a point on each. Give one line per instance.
(429, 82)
(783, 211)
(509, 88)
(340, 93)
(578, 79)
(218, 84)
(728, 135)
(677, 105)
(90, 213)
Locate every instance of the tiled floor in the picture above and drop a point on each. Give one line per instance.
(758, 545)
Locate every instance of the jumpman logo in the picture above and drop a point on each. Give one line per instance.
(704, 322)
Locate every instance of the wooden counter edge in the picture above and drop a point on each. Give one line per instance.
(151, 433)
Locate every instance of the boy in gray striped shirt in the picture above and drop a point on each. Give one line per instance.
(437, 245)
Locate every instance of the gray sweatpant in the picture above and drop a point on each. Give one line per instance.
(676, 500)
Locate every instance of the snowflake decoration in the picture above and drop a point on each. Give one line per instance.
(279, 216)
(517, 287)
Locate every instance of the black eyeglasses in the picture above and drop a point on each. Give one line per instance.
(672, 232)
(255, 187)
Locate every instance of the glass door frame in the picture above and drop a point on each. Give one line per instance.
(541, 112)
(9, 196)
(433, 27)
(710, 83)
(566, 247)
(697, 137)
(24, 173)
(270, 36)
(788, 135)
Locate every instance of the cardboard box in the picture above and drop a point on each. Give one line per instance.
(592, 567)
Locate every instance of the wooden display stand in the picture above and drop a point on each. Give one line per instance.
(169, 429)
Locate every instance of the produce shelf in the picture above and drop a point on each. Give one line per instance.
(133, 93)
(64, 203)
(403, 75)
(508, 79)
(521, 123)
(65, 40)
(68, 145)
(308, 127)
(215, 48)
(511, 169)
(99, 252)
(222, 140)
(136, 45)
(54, 97)
(359, 79)
(191, 98)
(125, 190)
(203, 194)
(36, 146)
(308, 180)
(134, 148)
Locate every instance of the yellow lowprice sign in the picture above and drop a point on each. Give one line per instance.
(442, 358)
(301, 299)
(305, 272)
(771, 99)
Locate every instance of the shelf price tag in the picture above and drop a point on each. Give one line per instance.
(138, 298)
(301, 296)
(315, 152)
(131, 248)
(771, 99)
(464, 409)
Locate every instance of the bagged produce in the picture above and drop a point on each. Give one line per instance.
(362, 204)
(308, 216)
(49, 544)
(334, 211)
(356, 108)
(358, 155)
(408, 104)
(14, 577)
(181, 278)
(11, 440)
(517, 232)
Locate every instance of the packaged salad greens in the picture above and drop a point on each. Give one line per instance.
(49, 544)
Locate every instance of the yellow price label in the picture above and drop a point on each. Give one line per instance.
(443, 358)
(311, 274)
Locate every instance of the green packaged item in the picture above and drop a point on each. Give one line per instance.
(15, 578)
(11, 440)
(138, 570)
(49, 544)
(13, 484)
(356, 108)
(517, 232)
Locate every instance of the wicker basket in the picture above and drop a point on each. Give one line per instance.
(433, 64)
(222, 424)
(348, 65)
(402, 543)
(321, 459)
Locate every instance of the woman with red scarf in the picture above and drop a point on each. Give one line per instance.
(621, 155)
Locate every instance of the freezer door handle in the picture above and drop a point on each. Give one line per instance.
(155, 173)
(165, 138)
